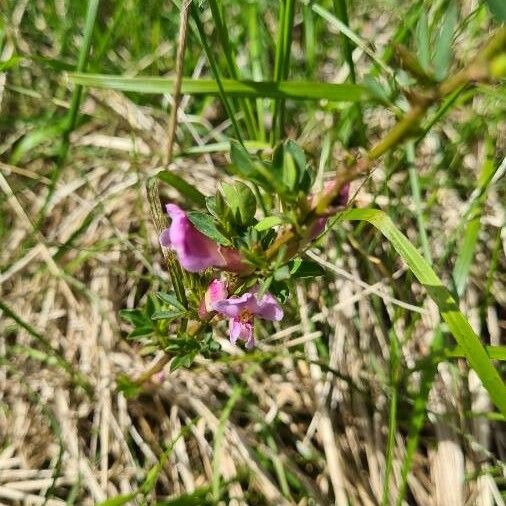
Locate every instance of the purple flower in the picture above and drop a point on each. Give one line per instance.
(194, 250)
(242, 310)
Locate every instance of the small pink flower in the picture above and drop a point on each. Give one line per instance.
(216, 292)
(194, 250)
(242, 310)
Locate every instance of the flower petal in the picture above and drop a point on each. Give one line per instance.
(268, 308)
(216, 292)
(234, 306)
(241, 330)
(194, 250)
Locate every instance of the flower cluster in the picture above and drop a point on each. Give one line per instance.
(195, 253)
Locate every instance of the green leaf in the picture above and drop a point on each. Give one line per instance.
(241, 158)
(423, 41)
(443, 50)
(305, 269)
(171, 300)
(282, 273)
(241, 201)
(296, 90)
(135, 316)
(185, 360)
(167, 315)
(498, 9)
(184, 188)
(205, 224)
(465, 336)
(119, 500)
(291, 173)
(145, 330)
(297, 153)
(268, 222)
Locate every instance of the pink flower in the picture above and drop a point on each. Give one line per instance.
(216, 292)
(194, 250)
(242, 310)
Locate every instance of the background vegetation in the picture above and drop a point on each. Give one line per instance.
(360, 395)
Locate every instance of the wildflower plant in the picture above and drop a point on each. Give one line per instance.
(233, 256)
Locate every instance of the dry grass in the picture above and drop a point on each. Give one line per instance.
(310, 419)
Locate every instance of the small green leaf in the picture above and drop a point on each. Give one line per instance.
(205, 224)
(185, 360)
(167, 315)
(145, 330)
(297, 153)
(423, 42)
(171, 300)
(135, 316)
(241, 158)
(241, 201)
(282, 273)
(443, 50)
(183, 187)
(291, 173)
(268, 222)
(305, 269)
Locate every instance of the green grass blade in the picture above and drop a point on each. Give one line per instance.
(282, 62)
(423, 41)
(221, 28)
(215, 70)
(395, 363)
(458, 325)
(473, 226)
(295, 90)
(256, 62)
(347, 50)
(343, 28)
(414, 181)
(89, 25)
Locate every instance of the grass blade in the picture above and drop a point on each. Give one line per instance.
(423, 41)
(347, 50)
(458, 325)
(221, 28)
(295, 90)
(214, 68)
(395, 363)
